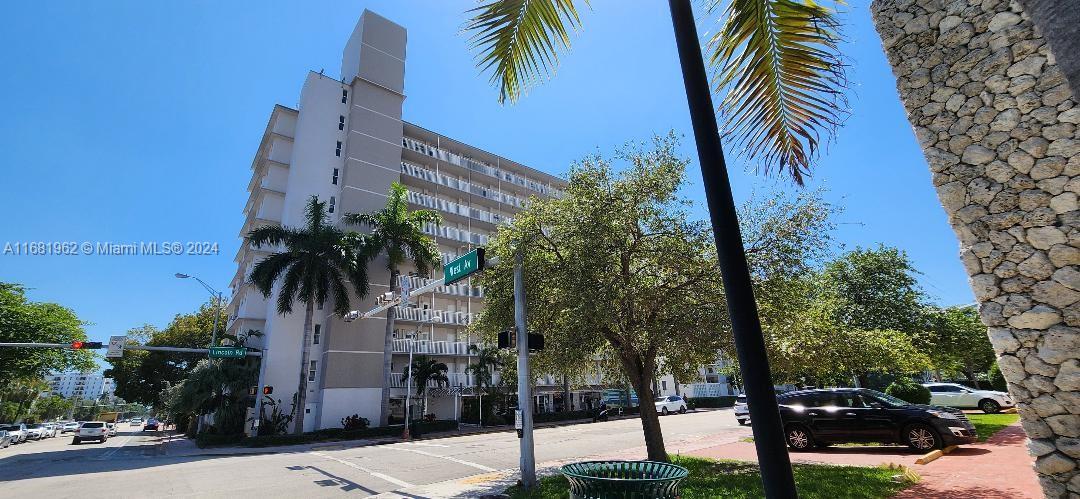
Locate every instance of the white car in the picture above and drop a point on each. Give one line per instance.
(69, 426)
(962, 397)
(135, 422)
(112, 429)
(51, 429)
(742, 411)
(669, 404)
(91, 430)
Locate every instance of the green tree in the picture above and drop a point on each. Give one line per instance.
(51, 407)
(874, 289)
(959, 341)
(316, 262)
(486, 361)
(218, 386)
(398, 232)
(24, 321)
(618, 278)
(423, 371)
(17, 397)
(142, 376)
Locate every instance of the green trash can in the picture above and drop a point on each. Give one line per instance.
(624, 479)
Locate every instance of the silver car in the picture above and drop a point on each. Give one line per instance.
(742, 411)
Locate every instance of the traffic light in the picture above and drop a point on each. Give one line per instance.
(267, 390)
(85, 345)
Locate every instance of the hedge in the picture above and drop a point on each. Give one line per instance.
(326, 434)
(909, 391)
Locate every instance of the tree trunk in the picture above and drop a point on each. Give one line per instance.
(305, 360)
(566, 394)
(864, 381)
(650, 420)
(388, 353)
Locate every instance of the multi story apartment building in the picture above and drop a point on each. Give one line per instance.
(80, 385)
(346, 143)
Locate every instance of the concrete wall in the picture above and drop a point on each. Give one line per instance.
(998, 124)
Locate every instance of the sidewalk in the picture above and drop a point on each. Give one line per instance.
(997, 468)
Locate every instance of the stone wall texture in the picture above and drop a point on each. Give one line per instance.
(997, 122)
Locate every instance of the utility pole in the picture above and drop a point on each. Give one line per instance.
(528, 460)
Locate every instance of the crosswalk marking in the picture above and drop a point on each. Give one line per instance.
(376, 474)
(448, 458)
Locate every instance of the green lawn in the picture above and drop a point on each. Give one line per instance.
(738, 479)
(989, 424)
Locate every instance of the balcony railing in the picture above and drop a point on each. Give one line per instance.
(398, 380)
(428, 347)
(461, 185)
(710, 390)
(463, 289)
(455, 208)
(455, 234)
(434, 316)
(478, 166)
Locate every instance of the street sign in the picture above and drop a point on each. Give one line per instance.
(227, 352)
(116, 347)
(463, 266)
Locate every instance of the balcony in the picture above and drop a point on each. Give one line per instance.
(414, 282)
(428, 347)
(479, 167)
(397, 380)
(710, 390)
(427, 315)
(443, 205)
(461, 185)
(455, 234)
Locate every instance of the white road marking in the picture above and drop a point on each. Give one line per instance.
(113, 450)
(376, 474)
(424, 444)
(448, 458)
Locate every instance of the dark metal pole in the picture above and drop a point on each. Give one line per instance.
(764, 414)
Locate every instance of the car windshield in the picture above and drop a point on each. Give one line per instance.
(741, 399)
(886, 399)
(10, 428)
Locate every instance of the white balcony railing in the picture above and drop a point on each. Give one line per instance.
(461, 185)
(479, 166)
(443, 205)
(434, 316)
(398, 380)
(710, 390)
(428, 347)
(455, 234)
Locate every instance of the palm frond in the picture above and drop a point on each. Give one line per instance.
(267, 271)
(270, 235)
(779, 66)
(521, 40)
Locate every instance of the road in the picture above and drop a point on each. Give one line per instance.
(137, 465)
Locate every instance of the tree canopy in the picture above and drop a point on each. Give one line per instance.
(25, 321)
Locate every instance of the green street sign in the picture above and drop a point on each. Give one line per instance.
(463, 266)
(228, 352)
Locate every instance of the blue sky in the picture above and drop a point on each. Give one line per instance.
(131, 121)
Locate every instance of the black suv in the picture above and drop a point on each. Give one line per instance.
(822, 417)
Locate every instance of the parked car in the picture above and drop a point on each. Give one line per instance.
(112, 429)
(742, 411)
(962, 397)
(151, 425)
(51, 429)
(35, 431)
(5, 439)
(91, 430)
(69, 426)
(842, 415)
(17, 431)
(135, 422)
(669, 404)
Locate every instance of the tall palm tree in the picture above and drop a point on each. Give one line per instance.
(423, 371)
(315, 262)
(777, 67)
(399, 232)
(488, 359)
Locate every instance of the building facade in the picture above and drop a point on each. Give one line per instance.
(346, 143)
(80, 385)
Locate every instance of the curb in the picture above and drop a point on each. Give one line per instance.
(935, 454)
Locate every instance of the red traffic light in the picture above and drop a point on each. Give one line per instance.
(85, 345)
(267, 390)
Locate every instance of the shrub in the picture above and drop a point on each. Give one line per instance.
(908, 390)
(549, 417)
(709, 402)
(997, 380)
(354, 422)
(211, 440)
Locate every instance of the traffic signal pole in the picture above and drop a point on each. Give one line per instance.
(250, 353)
(525, 403)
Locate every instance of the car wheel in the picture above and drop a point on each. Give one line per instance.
(682, 410)
(921, 437)
(75, 441)
(742, 422)
(798, 437)
(664, 411)
(989, 406)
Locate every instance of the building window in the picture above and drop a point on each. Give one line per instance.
(344, 96)
(663, 385)
(311, 372)
(337, 152)
(318, 332)
(341, 123)
(319, 307)
(334, 177)
(331, 207)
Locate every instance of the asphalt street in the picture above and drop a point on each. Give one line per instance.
(136, 464)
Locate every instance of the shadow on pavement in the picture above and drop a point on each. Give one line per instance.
(334, 480)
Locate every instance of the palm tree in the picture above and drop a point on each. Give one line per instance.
(423, 371)
(488, 360)
(399, 232)
(777, 66)
(314, 265)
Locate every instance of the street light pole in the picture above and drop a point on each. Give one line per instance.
(217, 303)
(776, 475)
(527, 460)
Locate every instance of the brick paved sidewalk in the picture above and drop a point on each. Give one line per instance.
(997, 468)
